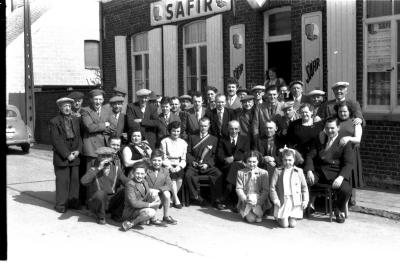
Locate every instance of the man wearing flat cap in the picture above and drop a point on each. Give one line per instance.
(296, 90)
(105, 181)
(317, 97)
(141, 115)
(67, 144)
(258, 93)
(244, 116)
(120, 92)
(96, 126)
(117, 117)
(186, 102)
(241, 93)
(77, 96)
(327, 109)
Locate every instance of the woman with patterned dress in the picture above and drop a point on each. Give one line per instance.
(137, 150)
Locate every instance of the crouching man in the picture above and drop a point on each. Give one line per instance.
(140, 204)
(105, 180)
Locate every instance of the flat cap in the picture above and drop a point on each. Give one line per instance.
(117, 99)
(287, 105)
(258, 87)
(247, 97)
(96, 92)
(340, 84)
(316, 92)
(243, 90)
(185, 97)
(153, 97)
(105, 151)
(120, 90)
(296, 82)
(76, 95)
(64, 100)
(143, 92)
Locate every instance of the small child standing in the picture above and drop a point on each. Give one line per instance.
(289, 192)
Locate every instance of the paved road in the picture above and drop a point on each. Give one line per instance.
(36, 231)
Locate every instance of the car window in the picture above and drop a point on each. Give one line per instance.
(11, 114)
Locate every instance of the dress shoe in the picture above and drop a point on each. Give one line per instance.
(340, 218)
(178, 206)
(126, 225)
(169, 220)
(101, 221)
(310, 210)
(60, 209)
(220, 206)
(157, 222)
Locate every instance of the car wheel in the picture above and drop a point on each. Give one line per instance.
(25, 148)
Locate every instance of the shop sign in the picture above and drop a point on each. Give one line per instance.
(169, 11)
(237, 53)
(312, 65)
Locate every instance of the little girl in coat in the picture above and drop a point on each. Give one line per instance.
(288, 189)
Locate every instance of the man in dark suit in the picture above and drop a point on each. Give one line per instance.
(232, 100)
(211, 93)
(296, 90)
(333, 165)
(67, 144)
(117, 118)
(143, 116)
(176, 109)
(244, 116)
(195, 114)
(77, 96)
(220, 117)
(230, 155)
(200, 156)
(96, 126)
(327, 109)
(166, 117)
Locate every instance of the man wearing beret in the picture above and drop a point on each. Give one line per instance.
(67, 144)
(296, 89)
(77, 96)
(117, 117)
(141, 115)
(339, 89)
(105, 180)
(96, 126)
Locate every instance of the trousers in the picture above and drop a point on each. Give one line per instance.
(67, 186)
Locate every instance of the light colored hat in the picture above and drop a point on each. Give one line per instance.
(316, 92)
(105, 151)
(296, 82)
(63, 100)
(340, 84)
(96, 92)
(116, 99)
(258, 87)
(185, 97)
(143, 92)
(247, 97)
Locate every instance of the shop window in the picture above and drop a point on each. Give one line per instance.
(140, 61)
(195, 57)
(382, 59)
(92, 54)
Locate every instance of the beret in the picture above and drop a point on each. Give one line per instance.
(316, 92)
(185, 97)
(258, 87)
(296, 82)
(287, 105)
(120, 90)
(242, 90)
(116, 99)
(64, 100)
(247, 97)
(105, 151)
(143, 92)
(96, 92)
(75, 95)
(340, 84)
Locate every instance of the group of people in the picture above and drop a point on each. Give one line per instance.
(261, 151)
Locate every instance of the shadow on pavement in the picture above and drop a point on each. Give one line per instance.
(45, 196)
(15, 151)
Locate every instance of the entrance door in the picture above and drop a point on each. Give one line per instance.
(280, 57)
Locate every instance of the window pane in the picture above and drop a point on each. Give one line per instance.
(203, 60)
(379, 8)
(146, 71)
(195, 32)
(397, 7)
(379, 63)
(92, 54)
(140, 42)
(398, 84)
(191, 69)
(138, 74)
(203, 85)
(279, 24)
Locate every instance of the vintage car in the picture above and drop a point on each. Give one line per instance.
(17, 133)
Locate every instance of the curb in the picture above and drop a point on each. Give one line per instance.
(376, 212)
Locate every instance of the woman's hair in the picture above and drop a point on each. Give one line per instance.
(250, 154)
(308, 105)
(157, 153)
(273, 69)
(174, 125)
(344, 104)
(298, 159)
(131, 131)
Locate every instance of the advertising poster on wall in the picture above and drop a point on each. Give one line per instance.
(237, 53)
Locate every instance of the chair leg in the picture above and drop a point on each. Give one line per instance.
(330, 194)
(346, 212)
(326, 203)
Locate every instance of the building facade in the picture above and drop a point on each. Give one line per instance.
(175, 47)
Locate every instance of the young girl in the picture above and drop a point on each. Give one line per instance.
(252, 189)
(288, 189)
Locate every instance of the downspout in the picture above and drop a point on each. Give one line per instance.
(101, 34)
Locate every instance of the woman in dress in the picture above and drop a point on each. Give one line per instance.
(273, 79)
(174, 149)
(351, 133)
(137, 150)
(252, 188)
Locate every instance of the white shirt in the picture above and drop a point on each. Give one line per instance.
(232, 99)
(174, 151)
(116, 115)
(198, 113)
(234, 139)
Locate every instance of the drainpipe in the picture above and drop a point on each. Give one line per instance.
(101, 34)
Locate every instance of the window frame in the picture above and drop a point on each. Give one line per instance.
(394, 107)
(143, 54)
(90, 67)
(198, 60)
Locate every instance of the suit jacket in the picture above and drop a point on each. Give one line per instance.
(162, 182)
(262, 115)
(298, 185)
(163, 126)
(61, 148)
(192, 123)
(117, 125)
(235, 105)
(150, 122)
(136, 198)
(225, 149)
(327, 110)
(267, 149)
(195, 154)
(245, 119)
(228, 115)
(337, 160)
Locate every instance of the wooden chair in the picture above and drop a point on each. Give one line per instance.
(204, 182)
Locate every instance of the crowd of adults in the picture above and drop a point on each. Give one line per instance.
(260, 151)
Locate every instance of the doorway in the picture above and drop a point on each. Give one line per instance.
(280, 57)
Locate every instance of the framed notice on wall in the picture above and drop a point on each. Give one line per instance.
(237, 53)
(311, 36)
